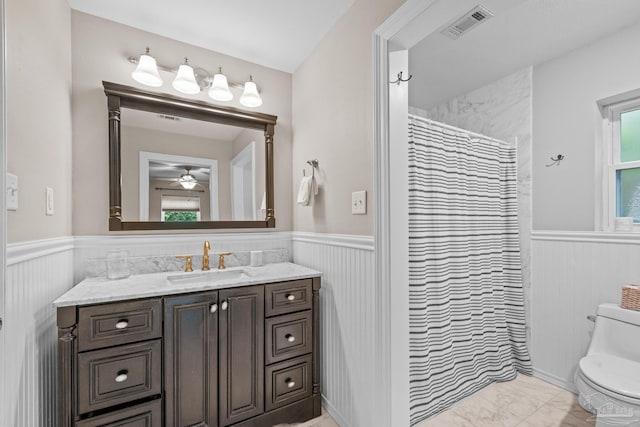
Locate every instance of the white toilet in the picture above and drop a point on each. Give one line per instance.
(608, 377)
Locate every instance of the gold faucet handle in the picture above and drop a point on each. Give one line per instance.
(189, 264)
(221, 260)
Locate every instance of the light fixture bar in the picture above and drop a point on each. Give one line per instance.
(208, 79)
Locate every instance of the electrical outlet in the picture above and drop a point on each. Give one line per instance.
(49, 202)
(12, 192)
(359, 202)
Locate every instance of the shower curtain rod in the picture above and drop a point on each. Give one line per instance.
(476, 134)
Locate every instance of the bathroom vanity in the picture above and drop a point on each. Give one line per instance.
(234, 347)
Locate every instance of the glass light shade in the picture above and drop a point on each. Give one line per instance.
(250, 97)
(147, 71)
(188, 181)
(185, 81)
(219, 90)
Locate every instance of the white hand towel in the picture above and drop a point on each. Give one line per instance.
(307, 188)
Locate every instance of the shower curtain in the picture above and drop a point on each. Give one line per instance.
(467, 322)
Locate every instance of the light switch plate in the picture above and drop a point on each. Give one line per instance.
(359, 202)
(12, 192)
(49, 202)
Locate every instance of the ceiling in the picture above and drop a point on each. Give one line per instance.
(522, 33)
(278, 34)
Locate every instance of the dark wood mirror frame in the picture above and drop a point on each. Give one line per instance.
(121, 96)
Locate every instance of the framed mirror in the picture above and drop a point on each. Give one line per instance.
(181, 164)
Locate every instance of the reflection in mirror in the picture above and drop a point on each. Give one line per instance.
(179, 169)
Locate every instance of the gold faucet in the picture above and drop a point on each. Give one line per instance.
(221, 260)
(205, 257)
(189, 263)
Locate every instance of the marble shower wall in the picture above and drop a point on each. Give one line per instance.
(501, 110)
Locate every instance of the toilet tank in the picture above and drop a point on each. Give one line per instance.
(617, 332)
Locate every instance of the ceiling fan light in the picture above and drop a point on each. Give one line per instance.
(219, 90)
(250, 97)
(185, 80)
(146, 72)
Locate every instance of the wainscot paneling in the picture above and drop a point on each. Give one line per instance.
(572, 273)
(37, 273)
(89, 247)
(347, 307)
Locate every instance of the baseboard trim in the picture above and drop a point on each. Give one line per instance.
(555, 380)
(331, 410)
(27, 251)
(366, 243)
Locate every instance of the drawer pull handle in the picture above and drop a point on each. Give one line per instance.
(214, 308)
(122, 324)
(122, 376)
(290, 383)
(290, 338)
(224, 305)
(291, 297)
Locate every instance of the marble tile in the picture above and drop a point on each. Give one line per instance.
(446, 418)
(548, 416)
(568, 402)
(323, 420)
(97, 267)
(512, 398)
(483, 413)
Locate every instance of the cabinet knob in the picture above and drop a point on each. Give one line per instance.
(122, 324)
(291, 297)
(214, 308)
(225, 304)
(122, 376)
(290, 383)
(290, 338)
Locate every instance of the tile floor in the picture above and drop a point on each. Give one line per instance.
(523, 402)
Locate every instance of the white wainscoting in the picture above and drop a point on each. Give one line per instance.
(572, 273)
(37, 273)
(88, 247)
(347, 310)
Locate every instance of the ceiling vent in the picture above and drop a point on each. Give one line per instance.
(466, 22)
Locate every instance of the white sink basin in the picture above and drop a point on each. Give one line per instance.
(211, 277)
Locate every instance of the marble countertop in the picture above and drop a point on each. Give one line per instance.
(100, 290)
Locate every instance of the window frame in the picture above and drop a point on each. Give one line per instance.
(612, 163)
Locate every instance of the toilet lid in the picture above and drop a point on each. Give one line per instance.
(619, 375)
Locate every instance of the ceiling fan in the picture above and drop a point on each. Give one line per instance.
(187, 180)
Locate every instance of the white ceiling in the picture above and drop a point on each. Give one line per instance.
(522, 33)
(279, 34)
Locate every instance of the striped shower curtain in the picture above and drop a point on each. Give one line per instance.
(467, 321)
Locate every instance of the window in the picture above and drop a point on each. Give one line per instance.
(180, 208)
(623, 158)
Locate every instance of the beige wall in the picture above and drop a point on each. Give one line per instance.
(38, 115)
(138, 139)
(100, 48)
(333, 121)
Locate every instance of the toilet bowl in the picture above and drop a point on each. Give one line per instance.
(608, 377)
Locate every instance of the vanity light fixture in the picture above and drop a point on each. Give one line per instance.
(250, 97)
(187, 180)
(191, 81)
(219, 90)
(147, 70)
(185, 81)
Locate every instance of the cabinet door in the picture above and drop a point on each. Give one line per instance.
(241, 354)
(191, 364)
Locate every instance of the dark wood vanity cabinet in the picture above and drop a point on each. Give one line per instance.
(242, 357)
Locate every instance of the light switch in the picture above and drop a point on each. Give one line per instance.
(12, 192)
(49, 202)
(359, 202)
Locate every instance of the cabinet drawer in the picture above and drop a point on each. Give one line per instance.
(288, 297)
(118, 375)
(288, 336)
(106, 325)
(145, 415)
(288, 382)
